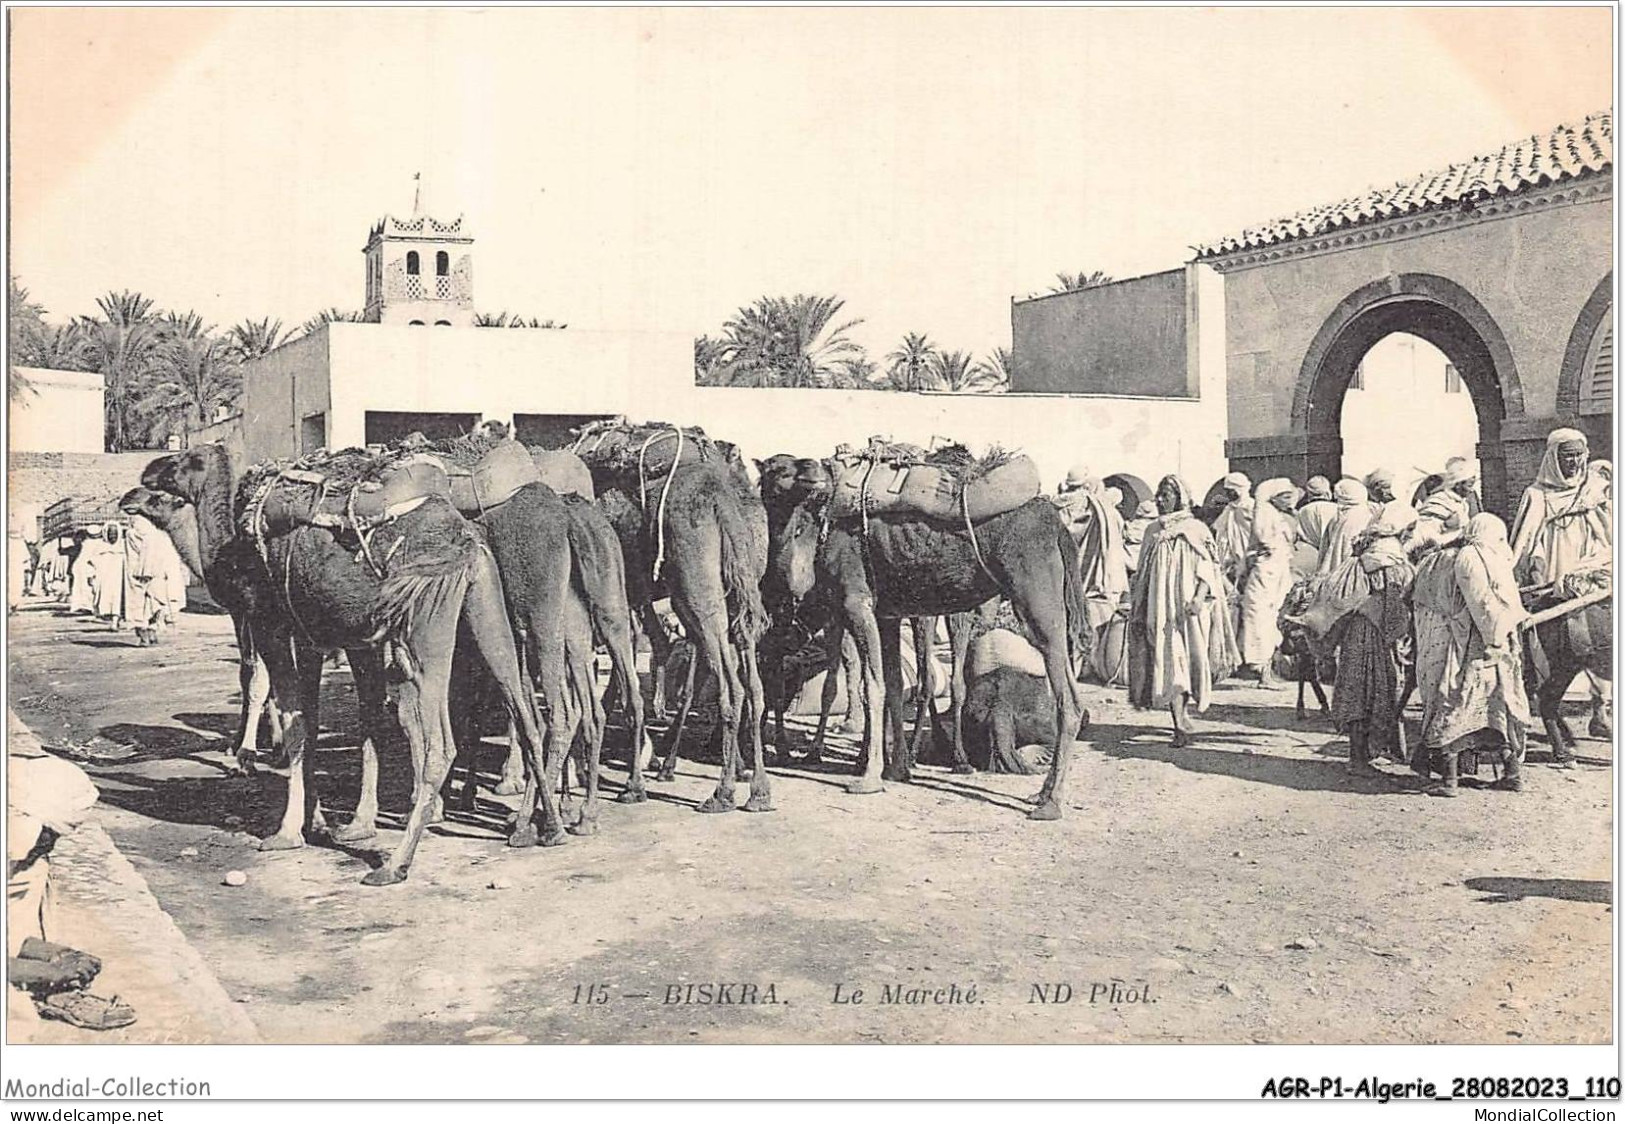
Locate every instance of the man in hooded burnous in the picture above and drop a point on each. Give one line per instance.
(1097, 527)
(1471, 670)
(1180, 642)
(1269, 575)
(1563, 535)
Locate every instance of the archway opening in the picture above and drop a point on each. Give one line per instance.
(1408, 410)
(1406, 414)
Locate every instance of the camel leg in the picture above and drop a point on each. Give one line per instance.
(367, 667)
(1051, 628)
(423, 702)
(617, 636)
(720, 661)
(925, 704)
(674, 733)
(660, 648)
(593, 734)
(513, 765)
(891, 668)
(834, 637)
(289, 686)
(254, 682)
(488, 624)
(959, 630)
(860, 616)
(761, 785)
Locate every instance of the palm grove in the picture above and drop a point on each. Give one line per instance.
(169, 373)
(802, 341)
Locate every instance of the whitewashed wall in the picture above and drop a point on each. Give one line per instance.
(62, 412)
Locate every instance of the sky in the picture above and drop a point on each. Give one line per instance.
(652, 169)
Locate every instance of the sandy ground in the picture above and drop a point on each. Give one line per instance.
(1170, 899)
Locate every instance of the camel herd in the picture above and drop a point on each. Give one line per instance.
(474, 568)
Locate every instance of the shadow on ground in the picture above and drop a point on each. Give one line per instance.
(1502, 890)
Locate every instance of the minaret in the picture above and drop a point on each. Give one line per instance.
(419, 270)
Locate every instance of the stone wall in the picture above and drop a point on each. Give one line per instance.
(37, 480)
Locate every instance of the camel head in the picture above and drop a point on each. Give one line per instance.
(187, 474)
(171, 515)
(787, 480)
(794, 550)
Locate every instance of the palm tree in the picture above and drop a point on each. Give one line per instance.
(956, 371)
(65, 347)
(120, 346)
(328, 316)
(790, 341)
(503, 320)
(254, 339)
(710, 366)
(194, 376)
(909, 367)
(25, 324)
(999, 368)
(1076, 282)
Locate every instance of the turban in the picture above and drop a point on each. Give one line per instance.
(1349, 492)
(1237, 482)
(1320, 488)
(1379, 476)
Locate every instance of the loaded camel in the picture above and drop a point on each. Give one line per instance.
(692, 528)
(397, 602)
(883, 566)
(563, 578)
(231, 592)
(786, 482)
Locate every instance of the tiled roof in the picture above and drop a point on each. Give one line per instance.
(1564, 153)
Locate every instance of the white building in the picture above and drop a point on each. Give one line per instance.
(376, 381)
(60, 412)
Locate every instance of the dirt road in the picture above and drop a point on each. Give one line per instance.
(1245, 889)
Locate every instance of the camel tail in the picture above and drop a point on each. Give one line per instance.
(741, 581)
(1078, 639)
(415, 592)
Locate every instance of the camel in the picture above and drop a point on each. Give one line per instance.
(872, 572)
(177, 519)
(785, 482)
(558, 556)
(695, 530)
(307, 593)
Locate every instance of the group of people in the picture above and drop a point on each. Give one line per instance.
(1427, 594)
(125, 573)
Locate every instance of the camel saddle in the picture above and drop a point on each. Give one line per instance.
(651, 450)
(492, 480)
(874, 485)
(563, 471)
(347, 492)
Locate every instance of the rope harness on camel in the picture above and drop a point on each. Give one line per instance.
(665, 490)
(361, 526)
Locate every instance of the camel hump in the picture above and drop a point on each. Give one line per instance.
(934, 491)
(493, 479)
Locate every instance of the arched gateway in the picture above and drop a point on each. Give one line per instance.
(1442, 313)
(1502, 262)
